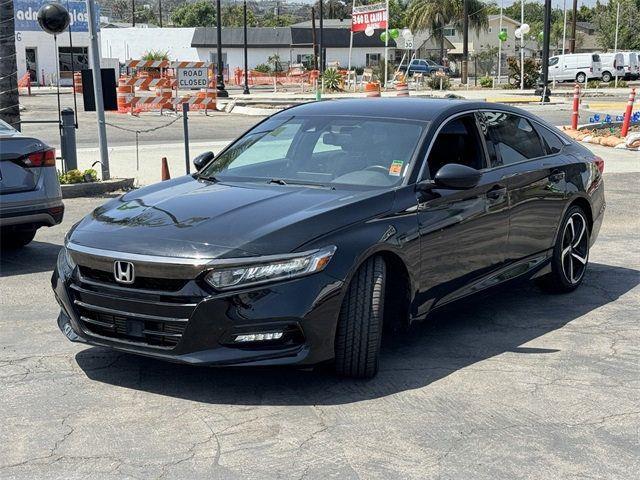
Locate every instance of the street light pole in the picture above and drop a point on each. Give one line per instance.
(546, 32)
(465, 42)
(246, 60)
(220, 64)
(574, 15)
(97, 89)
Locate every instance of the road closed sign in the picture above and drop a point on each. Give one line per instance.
(193, 77)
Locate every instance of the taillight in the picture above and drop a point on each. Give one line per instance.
(599, 163)
(45, 158)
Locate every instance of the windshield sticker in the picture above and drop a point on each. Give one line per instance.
(396, 168)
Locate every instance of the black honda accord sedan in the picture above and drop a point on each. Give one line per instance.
(322, 223)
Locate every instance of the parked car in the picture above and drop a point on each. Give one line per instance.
(631, 65)
(578, 67)
(30, 195)
(325, 223)
(612, 65)
(425, 66)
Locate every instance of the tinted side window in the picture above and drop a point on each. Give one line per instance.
(553, 61)
(457, 142)
(551, 141)
(510, 138)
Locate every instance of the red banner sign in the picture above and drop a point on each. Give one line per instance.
(364, 16)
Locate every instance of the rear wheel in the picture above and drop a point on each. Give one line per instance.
(570, 254)
(16, 238)
(581, 77)
(606, 77)
(359, 332)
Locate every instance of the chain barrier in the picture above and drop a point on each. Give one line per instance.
(137, 133)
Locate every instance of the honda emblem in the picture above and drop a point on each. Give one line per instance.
(123, 272)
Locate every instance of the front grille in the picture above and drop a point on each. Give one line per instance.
(140, 320)
(141, 283)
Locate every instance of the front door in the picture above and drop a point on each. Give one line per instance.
(463, 232)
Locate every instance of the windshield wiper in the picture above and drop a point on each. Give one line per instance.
(279, 181)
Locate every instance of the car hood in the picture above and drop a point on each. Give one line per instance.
(186, 217)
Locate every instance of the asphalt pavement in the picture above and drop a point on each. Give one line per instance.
(517, 384)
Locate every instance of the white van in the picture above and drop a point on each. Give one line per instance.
(578, 67)
(612, 66)
(631, 65)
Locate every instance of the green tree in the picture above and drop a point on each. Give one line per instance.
(272, 20)
(435, 15)
(232, 16)
(398, 13)
(628, 36)
(199, 14)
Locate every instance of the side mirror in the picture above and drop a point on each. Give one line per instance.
(202, 159)
(457, 177)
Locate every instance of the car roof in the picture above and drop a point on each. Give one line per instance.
(421, 109)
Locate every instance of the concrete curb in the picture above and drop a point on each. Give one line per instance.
(93, 189)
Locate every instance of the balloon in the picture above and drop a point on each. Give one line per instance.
(502, 36)
(53, 18)
(518, 33)
(525, 28)
(394, 32)
(369, 31)
(406, 33)
(383, 36)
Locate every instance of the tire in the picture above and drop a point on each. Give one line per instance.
(570, 254)
(581, 77)
(17, 238)
(359, 332)
(606, 77)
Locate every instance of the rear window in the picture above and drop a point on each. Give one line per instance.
(595, 57)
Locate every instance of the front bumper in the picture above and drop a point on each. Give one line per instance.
(200, 325)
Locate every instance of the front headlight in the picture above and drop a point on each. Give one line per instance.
(65, 262)
(291, 266)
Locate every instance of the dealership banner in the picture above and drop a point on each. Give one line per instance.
(26, 15)
(364, 16)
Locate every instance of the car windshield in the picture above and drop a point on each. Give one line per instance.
(329, 151)
(6, 128)
(431, 62)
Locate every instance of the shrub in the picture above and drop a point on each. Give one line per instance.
(434, 82)
(621, 84)
(486, 82)
(359, 70)
(593, 84)
(76, 176)
(263, 68)
(331, 79)
(530, 71)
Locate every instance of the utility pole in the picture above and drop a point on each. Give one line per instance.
(9, 101)
(133, 13)
(522, 45)
(546, 32)
(246, 58)
(564, 27)
(220, 64)
(465, 42)
(313, 39)
(615, 45)
(574, 16)
(321, 44)
(160, 12)
(94, 59)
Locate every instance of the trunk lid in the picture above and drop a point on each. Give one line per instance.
(14, 176)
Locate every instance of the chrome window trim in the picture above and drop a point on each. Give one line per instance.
(421, 177)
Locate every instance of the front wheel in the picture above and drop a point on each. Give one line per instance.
(570, 254)
(581, 78)
(359, 331)
(606, 77)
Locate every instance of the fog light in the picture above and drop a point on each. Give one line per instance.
(258, 337)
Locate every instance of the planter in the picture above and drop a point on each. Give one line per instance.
(92, 189)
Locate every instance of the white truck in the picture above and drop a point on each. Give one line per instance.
(578, 67)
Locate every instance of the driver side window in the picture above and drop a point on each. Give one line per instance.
(457, 142)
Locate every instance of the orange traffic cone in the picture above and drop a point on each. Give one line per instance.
(165, 169)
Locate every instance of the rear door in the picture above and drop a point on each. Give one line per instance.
(533, 168)
(15, 174)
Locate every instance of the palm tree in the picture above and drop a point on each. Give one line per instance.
(438, 14)
(9, 109)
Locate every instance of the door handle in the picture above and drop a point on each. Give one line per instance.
(496, 192)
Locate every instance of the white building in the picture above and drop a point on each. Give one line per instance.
(36, 51)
